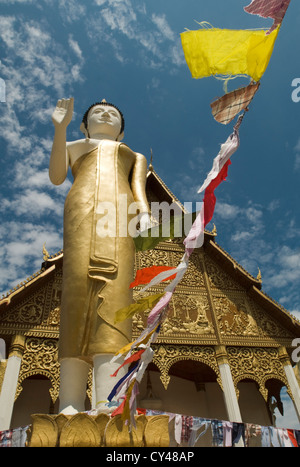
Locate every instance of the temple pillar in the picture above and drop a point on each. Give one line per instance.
(10, 381)
(291, 378)
(231, 402)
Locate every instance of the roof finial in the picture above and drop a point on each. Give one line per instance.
(151, 160)
(45, 253)
(214, 230)
(258, 277)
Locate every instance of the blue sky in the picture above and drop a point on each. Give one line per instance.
(129, 52)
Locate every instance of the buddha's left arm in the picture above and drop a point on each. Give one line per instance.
(138, 183)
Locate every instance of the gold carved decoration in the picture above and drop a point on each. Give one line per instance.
(43, 431)
(258, 364)
(84, 430)
(118, 435)
(157, 431)
(188, 313)
(28, 313)
(3, 364)
(170, 255)
(242, 321)
(40, 358)
(80, 431)
(36, 313)
(234, 318)
(218, 278)
(188, 319)
(166, 355)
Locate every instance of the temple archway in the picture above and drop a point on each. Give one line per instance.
(253, 407)
(186, 377)
(34, 398)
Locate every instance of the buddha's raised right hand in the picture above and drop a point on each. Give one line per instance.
(63, 112)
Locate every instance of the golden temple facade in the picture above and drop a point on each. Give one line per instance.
(219, 319)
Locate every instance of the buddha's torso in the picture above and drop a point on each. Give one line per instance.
(79, 148)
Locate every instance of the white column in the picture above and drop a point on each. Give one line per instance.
(73, 381)
(10, 382)
(231, 402)
(291, 378)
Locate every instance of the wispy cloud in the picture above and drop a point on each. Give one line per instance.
(44, 68)
(162, 25)
(20, 244)
(159, 45)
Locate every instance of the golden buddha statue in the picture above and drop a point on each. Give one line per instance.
(109, 178)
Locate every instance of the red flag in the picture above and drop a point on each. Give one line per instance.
(136, 356)
(292, 438)
(145, 275)
(209, 196)
(119, 409)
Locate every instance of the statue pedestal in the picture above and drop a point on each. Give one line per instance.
(83, 430)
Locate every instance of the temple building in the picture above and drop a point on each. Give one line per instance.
(224, 351)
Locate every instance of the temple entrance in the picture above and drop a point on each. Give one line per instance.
(192, 390)
(253, 407)
(34, 398)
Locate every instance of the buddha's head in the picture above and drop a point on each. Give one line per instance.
(103, 118)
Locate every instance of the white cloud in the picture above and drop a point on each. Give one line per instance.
(159, 46)
(273, 205)
(43, 64)
(21, 246)
(75, 47)
(226, 210)
(71, 10)
(254, 215)
(163, 26)
(33, 203)
(240, 236)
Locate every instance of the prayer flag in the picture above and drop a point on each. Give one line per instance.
(227, 107)
(226, 52)
(155, 313)
(119, 409)
(227, 150)
(209, 196)
(145, 275)
(135, 357)
(141, 305)
(274, 9)
(174, 228)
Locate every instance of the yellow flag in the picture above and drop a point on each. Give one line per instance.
(141, 305)
(228, 52)
(127, 347)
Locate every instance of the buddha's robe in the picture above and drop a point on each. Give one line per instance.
(98, 269)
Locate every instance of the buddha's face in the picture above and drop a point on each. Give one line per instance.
(104, 120)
